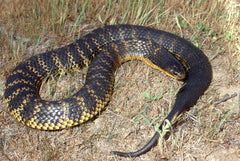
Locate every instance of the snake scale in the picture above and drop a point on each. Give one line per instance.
(103, 50)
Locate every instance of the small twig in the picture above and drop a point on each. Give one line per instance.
(225, 98)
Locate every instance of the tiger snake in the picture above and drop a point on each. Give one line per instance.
(103, 50)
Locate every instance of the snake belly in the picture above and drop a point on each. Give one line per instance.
(103, 50)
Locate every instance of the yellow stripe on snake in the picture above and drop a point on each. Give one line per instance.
(103, 50)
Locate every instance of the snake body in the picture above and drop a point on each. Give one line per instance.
(103, 50)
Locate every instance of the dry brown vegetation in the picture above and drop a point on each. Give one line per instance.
(209, 131)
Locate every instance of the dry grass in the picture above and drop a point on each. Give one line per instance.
(208, 131)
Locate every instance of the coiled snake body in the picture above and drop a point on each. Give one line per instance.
(105, 48)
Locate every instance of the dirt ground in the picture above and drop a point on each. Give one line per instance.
(209, 131)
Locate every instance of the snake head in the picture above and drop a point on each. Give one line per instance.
(176, 71)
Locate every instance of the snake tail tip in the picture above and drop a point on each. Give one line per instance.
(123, 154)
(143, 150)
